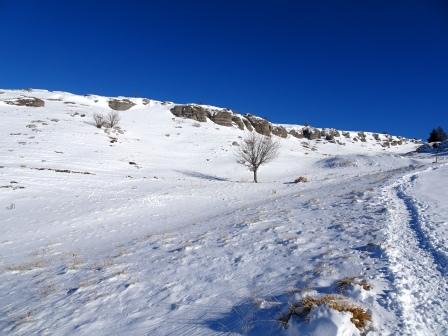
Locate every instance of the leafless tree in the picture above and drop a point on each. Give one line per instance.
(113, 118)
(98, 119)
(256, 150)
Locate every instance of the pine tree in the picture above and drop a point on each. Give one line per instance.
(437, 135)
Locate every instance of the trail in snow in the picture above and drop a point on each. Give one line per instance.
(233, 273)
(419, 269)
(164, 237)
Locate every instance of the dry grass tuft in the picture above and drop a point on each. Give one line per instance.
(360, 317)
(26, 267)
(345, 283)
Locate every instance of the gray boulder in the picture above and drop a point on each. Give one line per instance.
(311, 133)
(194, 112)
(329, 133)
(237, 120)
(296, 134)
(279, 131)
(26, 101)
(260, 125)
(223, 118)
(120, 104)
(248, 124)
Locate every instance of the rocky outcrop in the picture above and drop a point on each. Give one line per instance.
(330, 134)
(238, 122)
(28, 101)
(279, 131)
(226, 117)
(260, 125)
(194, 112)
(362, 136)
(297, 134)
(311, 133)
(248, 124)
(120, 104)
(221, 117)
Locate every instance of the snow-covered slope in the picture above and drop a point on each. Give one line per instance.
(153, 228)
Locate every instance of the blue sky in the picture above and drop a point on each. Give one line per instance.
(362, 65)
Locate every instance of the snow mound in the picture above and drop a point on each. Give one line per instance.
(360, 161)
(436, 147)
(324, 321)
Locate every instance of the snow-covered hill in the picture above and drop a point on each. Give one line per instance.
(152, 228)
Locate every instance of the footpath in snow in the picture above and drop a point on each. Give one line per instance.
(154, 229)
(417, 250)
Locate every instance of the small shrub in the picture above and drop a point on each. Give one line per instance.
(113, 119)
(99, 120)
(361, 318)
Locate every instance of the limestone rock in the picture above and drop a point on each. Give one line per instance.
(120, 104)
(296, 134)
(26, 101)
(194, 112)
(279, 131)
(237, 120)
(260, 125)
(248, 124)
(220, 117)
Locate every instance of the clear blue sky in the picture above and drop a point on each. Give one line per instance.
(371, 64)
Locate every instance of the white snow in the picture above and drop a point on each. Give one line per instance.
(167, 235)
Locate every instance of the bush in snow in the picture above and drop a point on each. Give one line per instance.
(112, 119)
(360, 317)
(98, 119)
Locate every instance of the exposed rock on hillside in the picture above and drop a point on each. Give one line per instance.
(120, 104)
(226, 117)
(237, 120)
(330, 134)
(194, 112)
(311, 133)
(223, 118)
(260, 125)
(28, 101)
(279, 131)
(248, 124)
(296, 133)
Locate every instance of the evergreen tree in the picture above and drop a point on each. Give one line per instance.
(437, 134)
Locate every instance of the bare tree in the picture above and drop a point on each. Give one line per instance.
(98, 119)
(113, 118)
(256, 150)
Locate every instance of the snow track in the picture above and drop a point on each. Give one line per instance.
(163, 235)
(418, 268)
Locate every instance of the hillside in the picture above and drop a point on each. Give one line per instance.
(153, 228)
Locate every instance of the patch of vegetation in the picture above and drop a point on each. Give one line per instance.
(348, 282)
(361, 318)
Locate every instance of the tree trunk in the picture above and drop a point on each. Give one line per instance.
(255, 176)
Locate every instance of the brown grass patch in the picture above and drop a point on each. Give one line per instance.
(360, 317)
(345, 283)
(26, 266)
